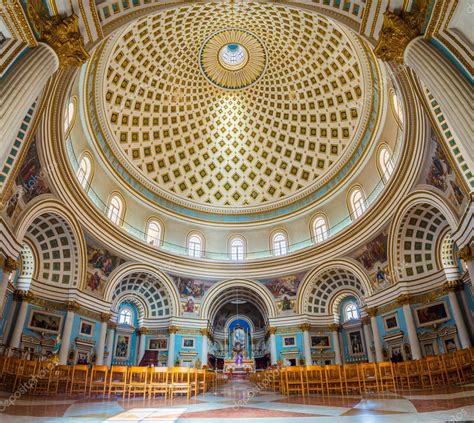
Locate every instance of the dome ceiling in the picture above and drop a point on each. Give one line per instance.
(284, 132)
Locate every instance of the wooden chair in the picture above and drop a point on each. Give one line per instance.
(47, 379)
(424, 374)
(314, 379)
(158, 381)
(436, 370)
(98, 382)
(137, 381)
(452, 371)
(180, 381)
(294, 382)
(25, 373)
(118, 380)
(63, 373)
(333, 376)
(463, 358)
(275, 379)
(369, 377)
(201, 381)
(351, 378)
(386, 376)
(79, 379)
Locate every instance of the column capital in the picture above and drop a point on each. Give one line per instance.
(365, 320)
(20, 295)
(334, 327)
(372, 311)
(272, 330)
(105, 317)
(112, 325)
(466, 253)
(205, 332)
(9, 264)
(143, 330)
(72, 306)
(305, 327)
(404, 299)
(398, 29)
(173, 329)
(452, 286)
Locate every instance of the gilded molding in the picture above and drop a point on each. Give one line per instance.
(466, 253)
(334, 327)
(173, 329)
(9, 264)
(20, 296)
(405, 299)
(305, 327)
(105, 317)
(72, 306)
(143, 330)
(372, 311)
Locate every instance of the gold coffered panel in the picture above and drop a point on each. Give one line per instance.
(294, 117)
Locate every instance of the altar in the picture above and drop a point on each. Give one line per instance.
(243, 367)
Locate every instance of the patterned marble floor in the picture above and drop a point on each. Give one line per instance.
(240, 401)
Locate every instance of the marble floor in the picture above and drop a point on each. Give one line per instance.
(239, 401)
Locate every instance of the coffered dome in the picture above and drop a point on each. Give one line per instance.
(232, 109)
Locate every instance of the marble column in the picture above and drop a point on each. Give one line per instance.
(110, 342)
(372, 312)
(335, 328)
(451, 288)
(20, 88)
(305, 328)
(205, 340)
(171, 345)
(24, 297)
(404, 300)
(71, 307)
(449, 87)
(9, 265)
(99, 359)
(273, 346)
(368, 338)
(142, 344)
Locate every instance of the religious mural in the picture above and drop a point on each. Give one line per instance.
(441, 175)
(191, 291)
(100, 264)
(30, 182)
(284, 289)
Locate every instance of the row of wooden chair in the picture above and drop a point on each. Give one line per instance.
(47, 378)
(429, 372)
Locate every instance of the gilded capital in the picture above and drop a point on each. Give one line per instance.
(105, 317)
(72, 306)
(334, 327)
(20, 295)
(173, 329)
(143, 330)
(372, 311)
(365, 320)
(9, 264)
(272, 330)
(205, 332)
(112, 325)
(466, 253)
(305, 327)
(62, 34)
(452, 286)
(398, 29)
(404, 299)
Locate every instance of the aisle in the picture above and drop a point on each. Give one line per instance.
(240, 401)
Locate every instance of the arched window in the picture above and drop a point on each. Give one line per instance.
(153, 233)
(279, 243)
(195, 246)
(84, 172)
(396, 108)
(357, 201)
(351, 312)
(69, 116)
(386, 163)
(320, 229)
(237, 249)
(115, 209)
(125, 317)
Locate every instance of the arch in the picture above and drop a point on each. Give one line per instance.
(240, 317)
(279, 242)
(196, 244)
(85, 170)
(385, 163)
(222, 292)
(124, 271)
(154, 232)
(116, 208)
(27, 267)
(356, 202)
(70, 115)
(319, 228)
(44, 208)
(329, 280)
(396, 107)
(237, 248)
(447, 256)
(421, 197)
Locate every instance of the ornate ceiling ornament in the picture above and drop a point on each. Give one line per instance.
(233, 59)
(60, 33)
(398, 30)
